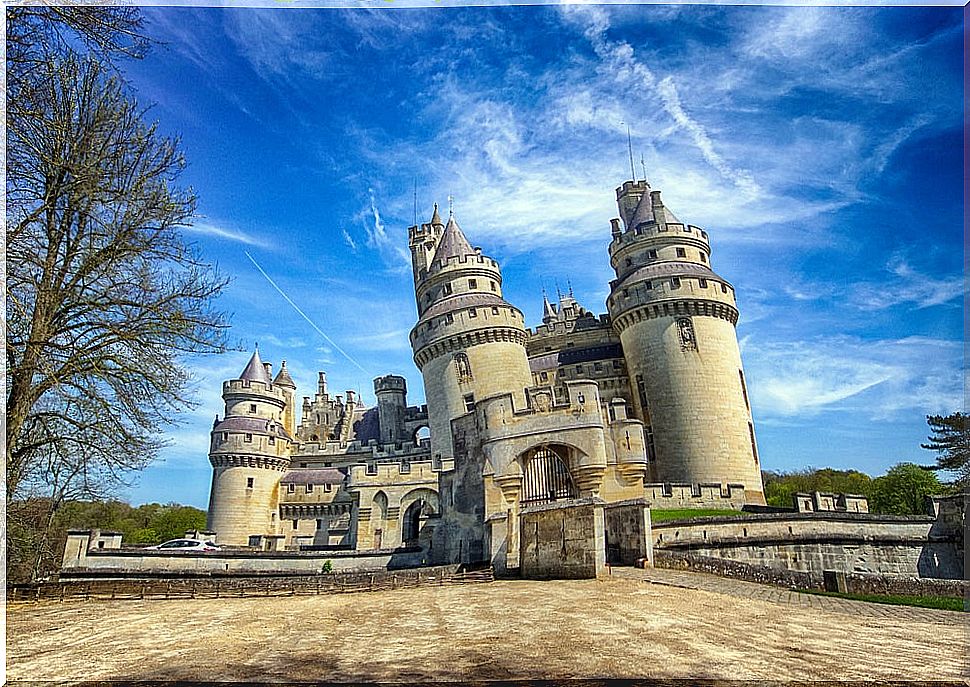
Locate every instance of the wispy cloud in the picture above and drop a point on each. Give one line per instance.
(222, 232)
(906, 286)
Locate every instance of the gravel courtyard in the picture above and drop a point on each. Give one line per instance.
(622, 626)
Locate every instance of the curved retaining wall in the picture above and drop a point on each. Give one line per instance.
(813, 542)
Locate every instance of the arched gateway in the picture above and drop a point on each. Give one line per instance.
(546, 476)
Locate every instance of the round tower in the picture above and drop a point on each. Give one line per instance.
(391, 392)
(676, 320)
(249, 452)
(469, 343)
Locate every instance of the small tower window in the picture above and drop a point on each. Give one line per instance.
(249, 482)
(629, 262)
(702, 282)
(723, 288)
(681, 253)
(252, 407)
(472, 283)
(446, 289)
(319, 524)
(290, 488)
(495, 310)
(703, 256)
(469, 402)
(249, 438)
(328, 487)
(652, 254)
(688, 342)
(492, 285)
(675, 283)
(472, 312)
(309, 488)
(296, 523)
(463, 367)
(449, 318)
(648, 285)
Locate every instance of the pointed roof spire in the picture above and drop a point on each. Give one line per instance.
(453, 243)
(283, 377)
(548, 311)
(644, 211)
(436, 218)
(255, 371)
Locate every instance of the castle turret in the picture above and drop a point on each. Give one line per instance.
(249, 451)
(391, 391)
(676, 319)
(468, 342)
(285, 382)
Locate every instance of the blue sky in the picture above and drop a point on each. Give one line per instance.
(819, 146)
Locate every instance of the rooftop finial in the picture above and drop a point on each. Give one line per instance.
(569, 283)
(451, 206)
(643, 167)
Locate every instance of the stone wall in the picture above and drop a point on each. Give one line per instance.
(563, 540)
(856, 583)
(627, 532)
(813, 542)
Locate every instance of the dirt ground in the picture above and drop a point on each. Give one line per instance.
(504, 630)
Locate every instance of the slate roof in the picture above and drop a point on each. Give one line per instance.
(453, 243)
(258, 425)
(313, 476)
(255, 371)
(461, 301)
(283, 378)
(671, 268)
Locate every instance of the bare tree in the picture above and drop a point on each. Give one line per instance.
(104, 298)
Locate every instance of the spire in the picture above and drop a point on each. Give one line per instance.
(283, 377)
(436, 218)
(453, 243)
(255, 371)
(644, 211)
(548, 312)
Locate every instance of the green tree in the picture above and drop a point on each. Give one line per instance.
(950, 439)
(781, 486)
(903, 490)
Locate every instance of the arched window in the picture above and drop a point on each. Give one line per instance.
(463, 367)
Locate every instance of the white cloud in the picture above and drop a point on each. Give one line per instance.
(222, 232)
(879, 379)
(906, 286)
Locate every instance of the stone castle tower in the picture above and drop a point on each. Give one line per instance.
(469, 342)
(249, 451)
(676, 320)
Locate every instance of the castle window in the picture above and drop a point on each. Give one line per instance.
(303, 465)
(681, 253)
(754, 448)
(703, 256)
(296, 524)
(449, 318)
(472, 283)
(642, 392)
(616, 365)
(446, 289)
(688, 342)
(252, 407)
(290, 488)
(648, 285)
(544, 376)
(495, 310)
(249, 482)
(319, 524)
(744, 389)
(469, 402)
(427, 298)
(328, 487)
(703, 233)
(225, 436)
(598, 366)
(463, 367)
(702, 282)
(309, 488)
(687, 228)
(723, 288)
(675, 283)
(652, 254)
(272, 440)
(626, 293)
(371, 468)
(651, 448)
(629, 262)
(492, 285)
(249, 438)
(579, 369)
(472, 312)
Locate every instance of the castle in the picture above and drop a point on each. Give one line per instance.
(647, 401)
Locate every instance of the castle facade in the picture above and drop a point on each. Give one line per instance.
(647, 401)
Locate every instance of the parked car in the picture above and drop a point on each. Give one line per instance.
(186, 545)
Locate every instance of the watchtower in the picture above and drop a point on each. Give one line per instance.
(469, 343)
(676, 320)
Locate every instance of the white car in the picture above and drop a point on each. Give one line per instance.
(185, 545)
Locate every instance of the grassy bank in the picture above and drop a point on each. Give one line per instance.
(945, 603)
(665, 515)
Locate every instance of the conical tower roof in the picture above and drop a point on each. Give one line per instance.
(548, 312)
(453, 243)
(283, 377)
(436, 218)
(644, 211)
(255, 372)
